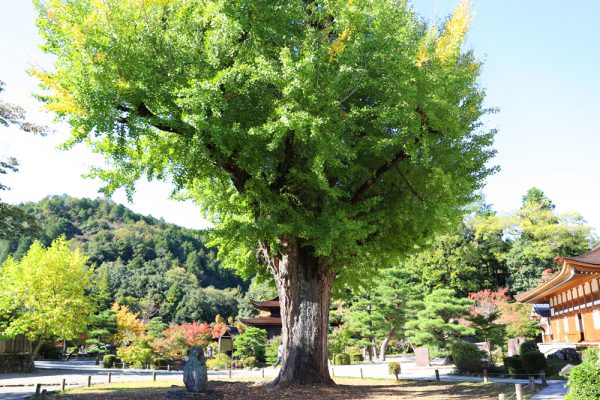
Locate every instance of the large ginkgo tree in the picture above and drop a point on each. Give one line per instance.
(322, 138)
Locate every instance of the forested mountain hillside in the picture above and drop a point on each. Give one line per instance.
(159, 269)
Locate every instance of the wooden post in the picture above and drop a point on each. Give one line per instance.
(230, 372)
(44, 393)
(485, 376)
(519, 391)
(63, 385)
(168, 367)
(531, 382)
(154, 376)
(361, 374)
(124, 365)
(543, 377)
(437, 375)
(332, 371)
(89, 380)
(109, 377)
(38, 389)
(263, 372)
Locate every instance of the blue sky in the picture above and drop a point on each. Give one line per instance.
(542, 59)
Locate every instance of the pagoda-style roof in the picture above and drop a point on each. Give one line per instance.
(574, 271)
(260, 322)
(268, 305)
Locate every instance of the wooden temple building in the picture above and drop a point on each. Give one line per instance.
(269, 317)
(568, 303)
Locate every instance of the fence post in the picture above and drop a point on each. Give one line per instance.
(169, 367)
(89, 380)
(230, 372)
(109, 377)
(519, 391)
(263, 372)
(154, 376)
(38, 389)
(124, 365)
(531, 382)
(485, 376)
(437, 375)
(332, 371)
(63, 385)
(44, 393)
(543, 377)
(361, 373)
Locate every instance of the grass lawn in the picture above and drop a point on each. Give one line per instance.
(347, 388)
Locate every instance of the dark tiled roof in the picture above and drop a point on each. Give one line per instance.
(593, 257)
(262, 321)
(267, 305)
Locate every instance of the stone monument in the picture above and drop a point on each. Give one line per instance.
(422, 357)
(195, 376)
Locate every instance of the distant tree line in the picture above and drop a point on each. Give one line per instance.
(156, 268)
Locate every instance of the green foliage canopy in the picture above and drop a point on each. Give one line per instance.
(352, 126)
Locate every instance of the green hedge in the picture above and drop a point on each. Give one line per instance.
(221, 362)
(528, 347)
(356, 357)
(534, 362)
(341, 359)
(250, 362)
(467, 357)
(584, 379)
(513, 365)
(109, 360)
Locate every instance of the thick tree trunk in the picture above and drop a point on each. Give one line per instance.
(384, 344)
(304, 284)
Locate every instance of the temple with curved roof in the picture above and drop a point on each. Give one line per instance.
(568, 303)
(269, 318)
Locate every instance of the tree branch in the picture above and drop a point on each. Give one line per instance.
(400, 156)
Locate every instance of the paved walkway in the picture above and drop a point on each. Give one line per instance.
(554, 391)
(50, 375)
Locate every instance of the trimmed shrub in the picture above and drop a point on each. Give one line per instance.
(341, 359)
(356, 357)
(109, 360)
(528, 347)
(554, 367)
(271, 350)
(513, 365)
(250, 362)
(467, 357)
(533, 362)
(584, 379)
(394, 369)
(221, 362)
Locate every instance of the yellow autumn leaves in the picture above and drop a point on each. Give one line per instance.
(448, 44)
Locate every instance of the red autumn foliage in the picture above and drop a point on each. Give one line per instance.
(487, 302)
(179, 339)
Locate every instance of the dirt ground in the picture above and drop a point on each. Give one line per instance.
(346, 389)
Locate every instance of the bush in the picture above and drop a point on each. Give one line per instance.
(528, 347)
(251, 343)
(394, 369)
(513, 365)
(221, 362)
(72, 350)
(554, 367)
(250, 362)
(584, 379)
(533, 362)
(341, 359)
(271, 350)
(109, 360)
(356, 357)
(467, 357)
